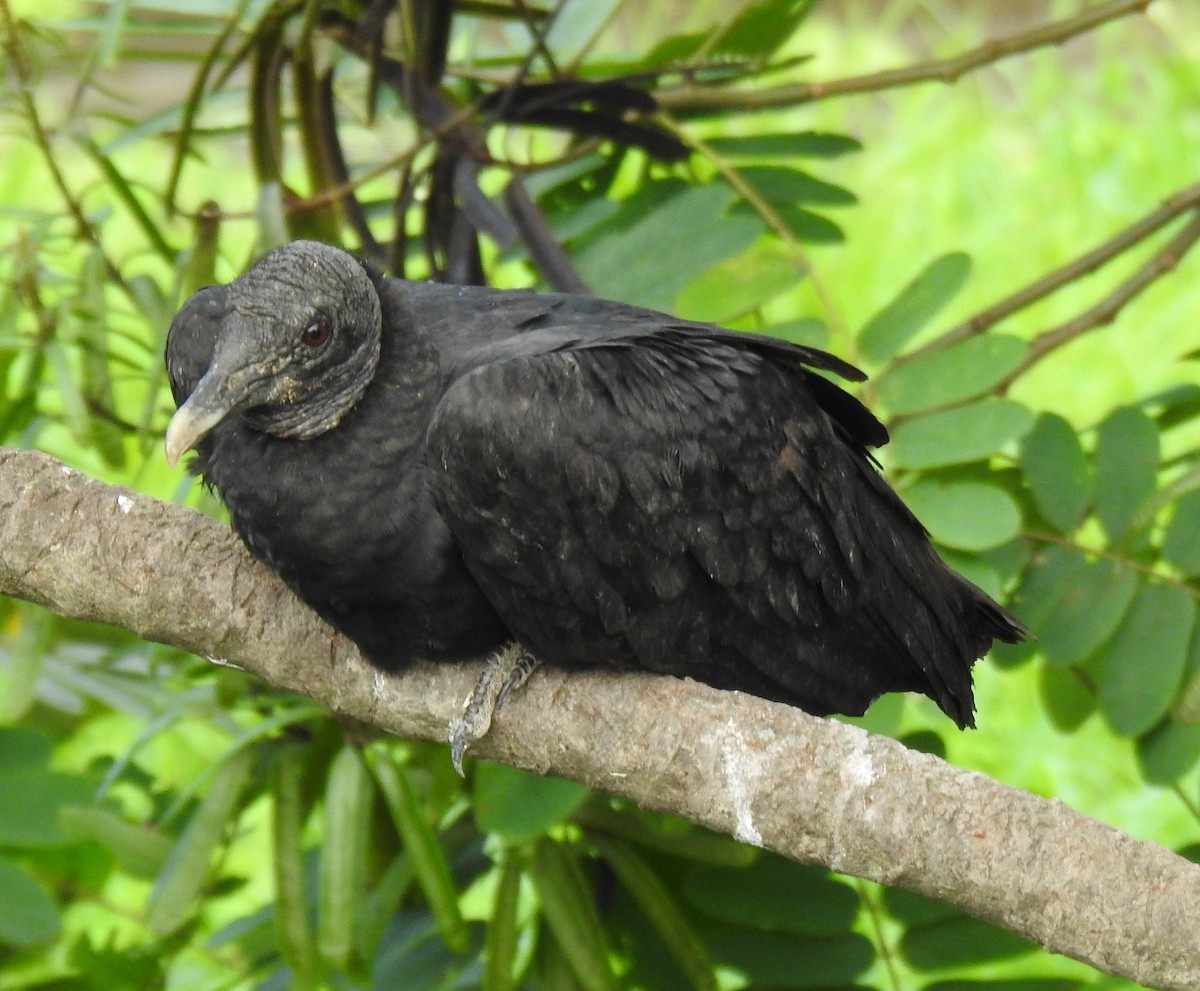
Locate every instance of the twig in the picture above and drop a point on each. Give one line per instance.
(702, 98)
(1106, 310)
(1174, 205)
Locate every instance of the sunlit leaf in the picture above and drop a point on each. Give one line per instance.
(1126, 463)
(916, 304)
(1140, 671)
(758, 29)
(942, 377)
(959, 435)
(740, 284)
(971, 516)
(1057, 471)
(625, 256)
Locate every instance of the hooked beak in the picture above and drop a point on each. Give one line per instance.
(217, 394)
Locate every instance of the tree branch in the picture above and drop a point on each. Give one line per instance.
(1184, 201)
(812, 789)
(699, 99)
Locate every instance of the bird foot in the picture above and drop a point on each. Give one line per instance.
(504, 671)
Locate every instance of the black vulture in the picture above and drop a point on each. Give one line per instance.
(443, 470)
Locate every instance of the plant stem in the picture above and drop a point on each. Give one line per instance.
(689, 98)
(18, 60)
(1174, 205)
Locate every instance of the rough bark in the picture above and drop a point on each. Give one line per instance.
(812, 789)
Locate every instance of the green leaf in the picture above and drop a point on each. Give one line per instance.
(956, 436)
(1186, 708)
(1092, 605)
(140, 850)
(519, 806)
(943, 377)
(775, 894)
(1046, 581)
(783, 960)
(782, 184)
(1140, 672)
(500, 942)
(24, 747)
(971, 516)
(569, 907)
(28, 914)
(812, 332)
(1017, 984)
(341, 869)
(960, 941)
(1181, 543)
(293, 934)
(740, 284)
(33, 799)
(1169, 751)
(917, 303)
(812, 228)
(917, 910)
(660, 239)
(177, 888)
(1057, 471)
(758, 29)
(804, 144)
(1126, 464)
(660, 908)
(1067, 701)
(424, 851)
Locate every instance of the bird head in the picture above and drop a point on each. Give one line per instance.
(290, 346)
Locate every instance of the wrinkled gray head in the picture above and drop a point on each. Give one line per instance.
(289, 346)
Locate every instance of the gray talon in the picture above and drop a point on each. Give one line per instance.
(504, 671)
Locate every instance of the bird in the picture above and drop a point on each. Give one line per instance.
(444, 471)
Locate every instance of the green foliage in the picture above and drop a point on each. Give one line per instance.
(170, 823)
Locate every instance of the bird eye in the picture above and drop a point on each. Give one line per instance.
(316, 334)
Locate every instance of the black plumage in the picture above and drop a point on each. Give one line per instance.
(439, 470)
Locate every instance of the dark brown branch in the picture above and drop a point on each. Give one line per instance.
(696, 99)
(813, 789)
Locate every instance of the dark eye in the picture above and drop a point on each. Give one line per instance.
(315, 334)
